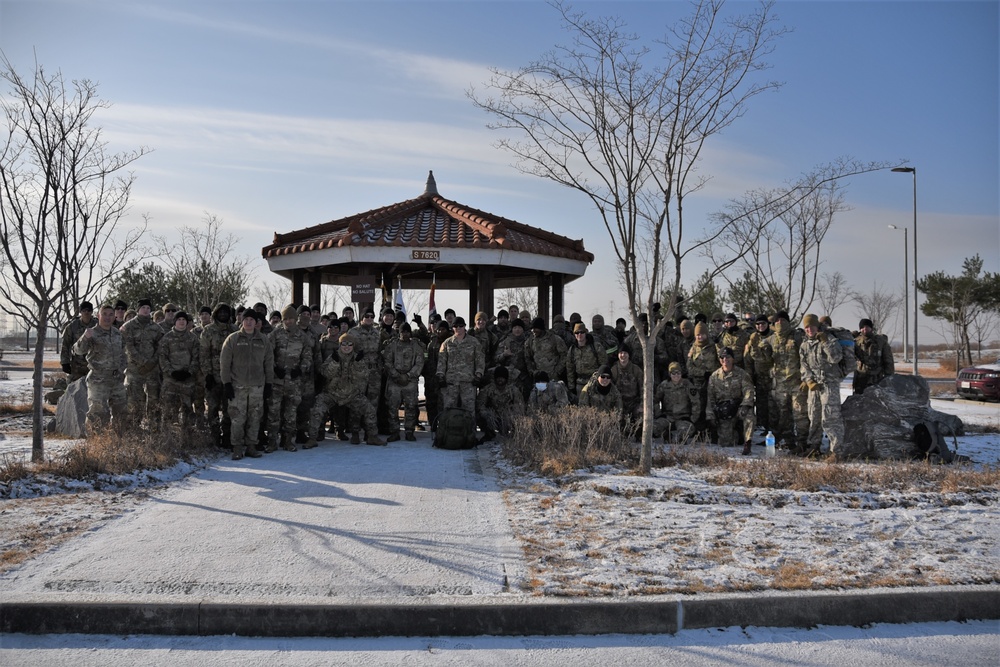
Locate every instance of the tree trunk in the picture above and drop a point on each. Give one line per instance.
(648, 377)
(37, 404)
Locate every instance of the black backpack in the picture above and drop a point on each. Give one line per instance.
(456, 429)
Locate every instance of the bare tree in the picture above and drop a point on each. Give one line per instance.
(525, 298)
(881, 306)
(62, 196)
(833, 292)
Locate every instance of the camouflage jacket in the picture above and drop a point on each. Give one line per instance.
(212, 339)
(346, 377)
(786, 369)
(72, 333)
(703, 360)
(735, 386)
(504, 401)
(874, 356)
(629, 381)
(292, 350)
(179, 351)
(553, 398)
(510, 352)
(609, 401)
(677, 400)
(461, 360)
(487, 340)
(403, 361)
(105, 353)
(736, 339)
(582, 363)
(757, 359)
(545, 353)
(142, 338)
(819, 359)
(369, 340)
(246, 360)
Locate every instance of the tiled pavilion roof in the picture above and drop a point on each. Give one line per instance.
(428, 221)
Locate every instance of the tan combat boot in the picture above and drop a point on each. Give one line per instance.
(373, 439)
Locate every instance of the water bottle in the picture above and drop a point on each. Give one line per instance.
(769, 444)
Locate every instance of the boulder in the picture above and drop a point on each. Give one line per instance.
(879, 424)
(71, 413)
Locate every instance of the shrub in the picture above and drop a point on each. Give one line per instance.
(573, 438)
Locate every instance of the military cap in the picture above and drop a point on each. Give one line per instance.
(865, 322)
(289, 312)
(539, 323)
(810, 320)
(579, 327)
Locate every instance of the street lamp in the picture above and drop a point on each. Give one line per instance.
(906, 289)
(913, 170)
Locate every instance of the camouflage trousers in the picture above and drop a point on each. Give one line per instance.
(407, 395)
(245, 410)
(282, 409)
(143, 395)
(432, 398)
(306, 387)
(359, 405)
(789, 420)
(177, 397)
(677, 431)
(218, 413)
(736, 431)
(106, 399)
(763, 401)
(463, 392)
(824, 415)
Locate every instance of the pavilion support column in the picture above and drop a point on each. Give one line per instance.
(315, 287)
(544, 309)
(298, 277)
(473, 298)
(486, 302)
(558, 287)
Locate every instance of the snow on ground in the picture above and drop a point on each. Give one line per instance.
(605, 532)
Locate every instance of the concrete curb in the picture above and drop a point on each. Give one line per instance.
(501, 616)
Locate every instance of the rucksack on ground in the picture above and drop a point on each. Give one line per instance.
(849, 361)
(456, 429)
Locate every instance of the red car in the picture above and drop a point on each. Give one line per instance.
(979, 382)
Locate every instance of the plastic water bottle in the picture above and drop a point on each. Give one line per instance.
(769, 444)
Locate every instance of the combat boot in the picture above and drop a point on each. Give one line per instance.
(410, 436)
(237, 453)
(287, 444)
(342, 435)
(252, 452)
(393, 437)
(355, 438)
(272, 443)
(373, 439)
(309, 444)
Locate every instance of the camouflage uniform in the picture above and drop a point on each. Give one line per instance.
(76, 363)
(736, 339)
(676, 406)
(497, 407)
(758, 363)
(246, 366)
(550, 400)
(609, 400)
(510, 353)
(582, 361)
(460, 368)
(307, 381)
(292, 353)
(789, 421)
(368, 342)
(628, 380)
(703, 360)
(347, 377)
(432, 392)
(179, 357)
(734, 386)
(142, 377)
(216, 401)
(403, 362)
(605, 338)
(105, 354)
(874, 360)
(820, 366)
(545, 353)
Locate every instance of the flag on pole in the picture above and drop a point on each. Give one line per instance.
(432, 309)
(400, 306)
(386, 299)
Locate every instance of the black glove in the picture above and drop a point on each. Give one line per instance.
(230, 391)
(402, 379)
(441, 381)
(416, 318)
(295, 373)
(181, 375)
(267, 391)
(477, 381)
(67, 369)
(279, 372)
(209, 382)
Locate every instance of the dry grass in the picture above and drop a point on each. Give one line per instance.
(556, 445)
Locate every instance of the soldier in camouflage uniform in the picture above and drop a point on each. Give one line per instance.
(628, 379)
(547, 396)
(820, 355)
(179, 354)
(292, 350)
(874, 356)
(460, 369)
(510, 353)
(730, 399)
(216, 401)
(582, 361)
(169, 311)
(368, 339)
(703, 360)
(497, 404)
(544, 351)
(403, 359)
(560, 329)
(481, 332)
(605, 338)
(601, 393)
(686, 328)
(735, 338)
(308, 377)
(758, 363)
(142, 378)
(75, 365)
(104, 351)
(432, 392)
(676, 404)
(246, 367)
(347, 377)
(120, 309)
(789, 420)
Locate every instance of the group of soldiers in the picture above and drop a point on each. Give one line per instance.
(260, 381)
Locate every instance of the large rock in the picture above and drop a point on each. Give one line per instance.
(879, 423)
(71, 413)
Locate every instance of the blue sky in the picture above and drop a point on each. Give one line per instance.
(280, 115)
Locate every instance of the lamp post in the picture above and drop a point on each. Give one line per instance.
(906, 289)
(916, 292)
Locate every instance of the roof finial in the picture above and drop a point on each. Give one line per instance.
(432, 188)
